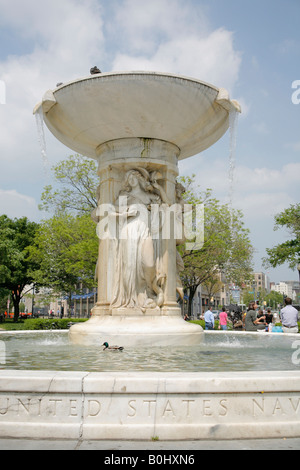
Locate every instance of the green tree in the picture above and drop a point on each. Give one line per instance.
(66, 247)
(273, 298)
(67, 244)
(264, 298)
(226, 248)
(75, 189)
(16, 268)
(289, 251)
(4, 296)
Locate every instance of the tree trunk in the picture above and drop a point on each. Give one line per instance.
(16, 298)
(192, 291)
(16, 302)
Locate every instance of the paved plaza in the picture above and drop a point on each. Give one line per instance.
(171, 447)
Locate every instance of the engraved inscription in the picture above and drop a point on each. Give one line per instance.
(47, 407)
(183, 408)
(268, 406)
(164, 409)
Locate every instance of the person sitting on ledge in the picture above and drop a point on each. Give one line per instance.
(289, 317)
(252, 323)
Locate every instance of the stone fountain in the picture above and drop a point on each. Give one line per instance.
(137, 125)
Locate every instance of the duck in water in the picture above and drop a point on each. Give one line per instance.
(107, 346)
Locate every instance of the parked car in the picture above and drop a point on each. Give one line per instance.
(216, 314)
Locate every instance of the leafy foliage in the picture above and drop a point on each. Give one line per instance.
(49, 324)
(67, 244)
(66, 247)
(77, 182)
(16, 268)
(289, 251)
(226, 249)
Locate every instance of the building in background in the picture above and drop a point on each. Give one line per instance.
(287, 288)
(261, 282)
(43, 302)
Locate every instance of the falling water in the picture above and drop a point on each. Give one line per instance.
(233, 120)
(41, 138)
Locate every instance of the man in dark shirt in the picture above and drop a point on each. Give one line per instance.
(269, 317)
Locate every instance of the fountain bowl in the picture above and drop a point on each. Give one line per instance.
(88, 112)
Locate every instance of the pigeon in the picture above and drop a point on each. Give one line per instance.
(94, 70)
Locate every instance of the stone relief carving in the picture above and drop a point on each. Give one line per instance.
(139, 275)
(179, 190)
(139, 214)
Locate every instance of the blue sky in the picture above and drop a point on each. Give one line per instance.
(250, 48)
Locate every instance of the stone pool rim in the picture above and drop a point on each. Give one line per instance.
(146, 405)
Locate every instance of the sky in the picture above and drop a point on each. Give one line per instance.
(251, 48)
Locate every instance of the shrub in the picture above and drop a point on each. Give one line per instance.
(50, 324)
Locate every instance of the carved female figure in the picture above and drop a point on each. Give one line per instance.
(138, 279)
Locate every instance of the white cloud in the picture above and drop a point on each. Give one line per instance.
(212, 59)
(144, 27)
(53, 20)
(259, 192)
(263, 192)
(170, 36)
(263, 205)
(66, 39)
(67, 36)
(14, 204)
(274, 180)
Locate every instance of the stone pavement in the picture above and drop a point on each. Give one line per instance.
(170, 446)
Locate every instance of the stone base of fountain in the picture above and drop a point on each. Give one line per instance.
(137, 330)
(140, 406)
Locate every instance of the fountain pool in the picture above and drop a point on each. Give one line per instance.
(218, 351)
(229, 386)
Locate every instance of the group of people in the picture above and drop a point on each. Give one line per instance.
(252, 321)
(288, 317)
(209, 319)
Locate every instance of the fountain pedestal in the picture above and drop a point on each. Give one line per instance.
(135, 324)
(137, 125)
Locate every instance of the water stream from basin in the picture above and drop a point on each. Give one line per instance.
(233, 122)
(41, 138)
